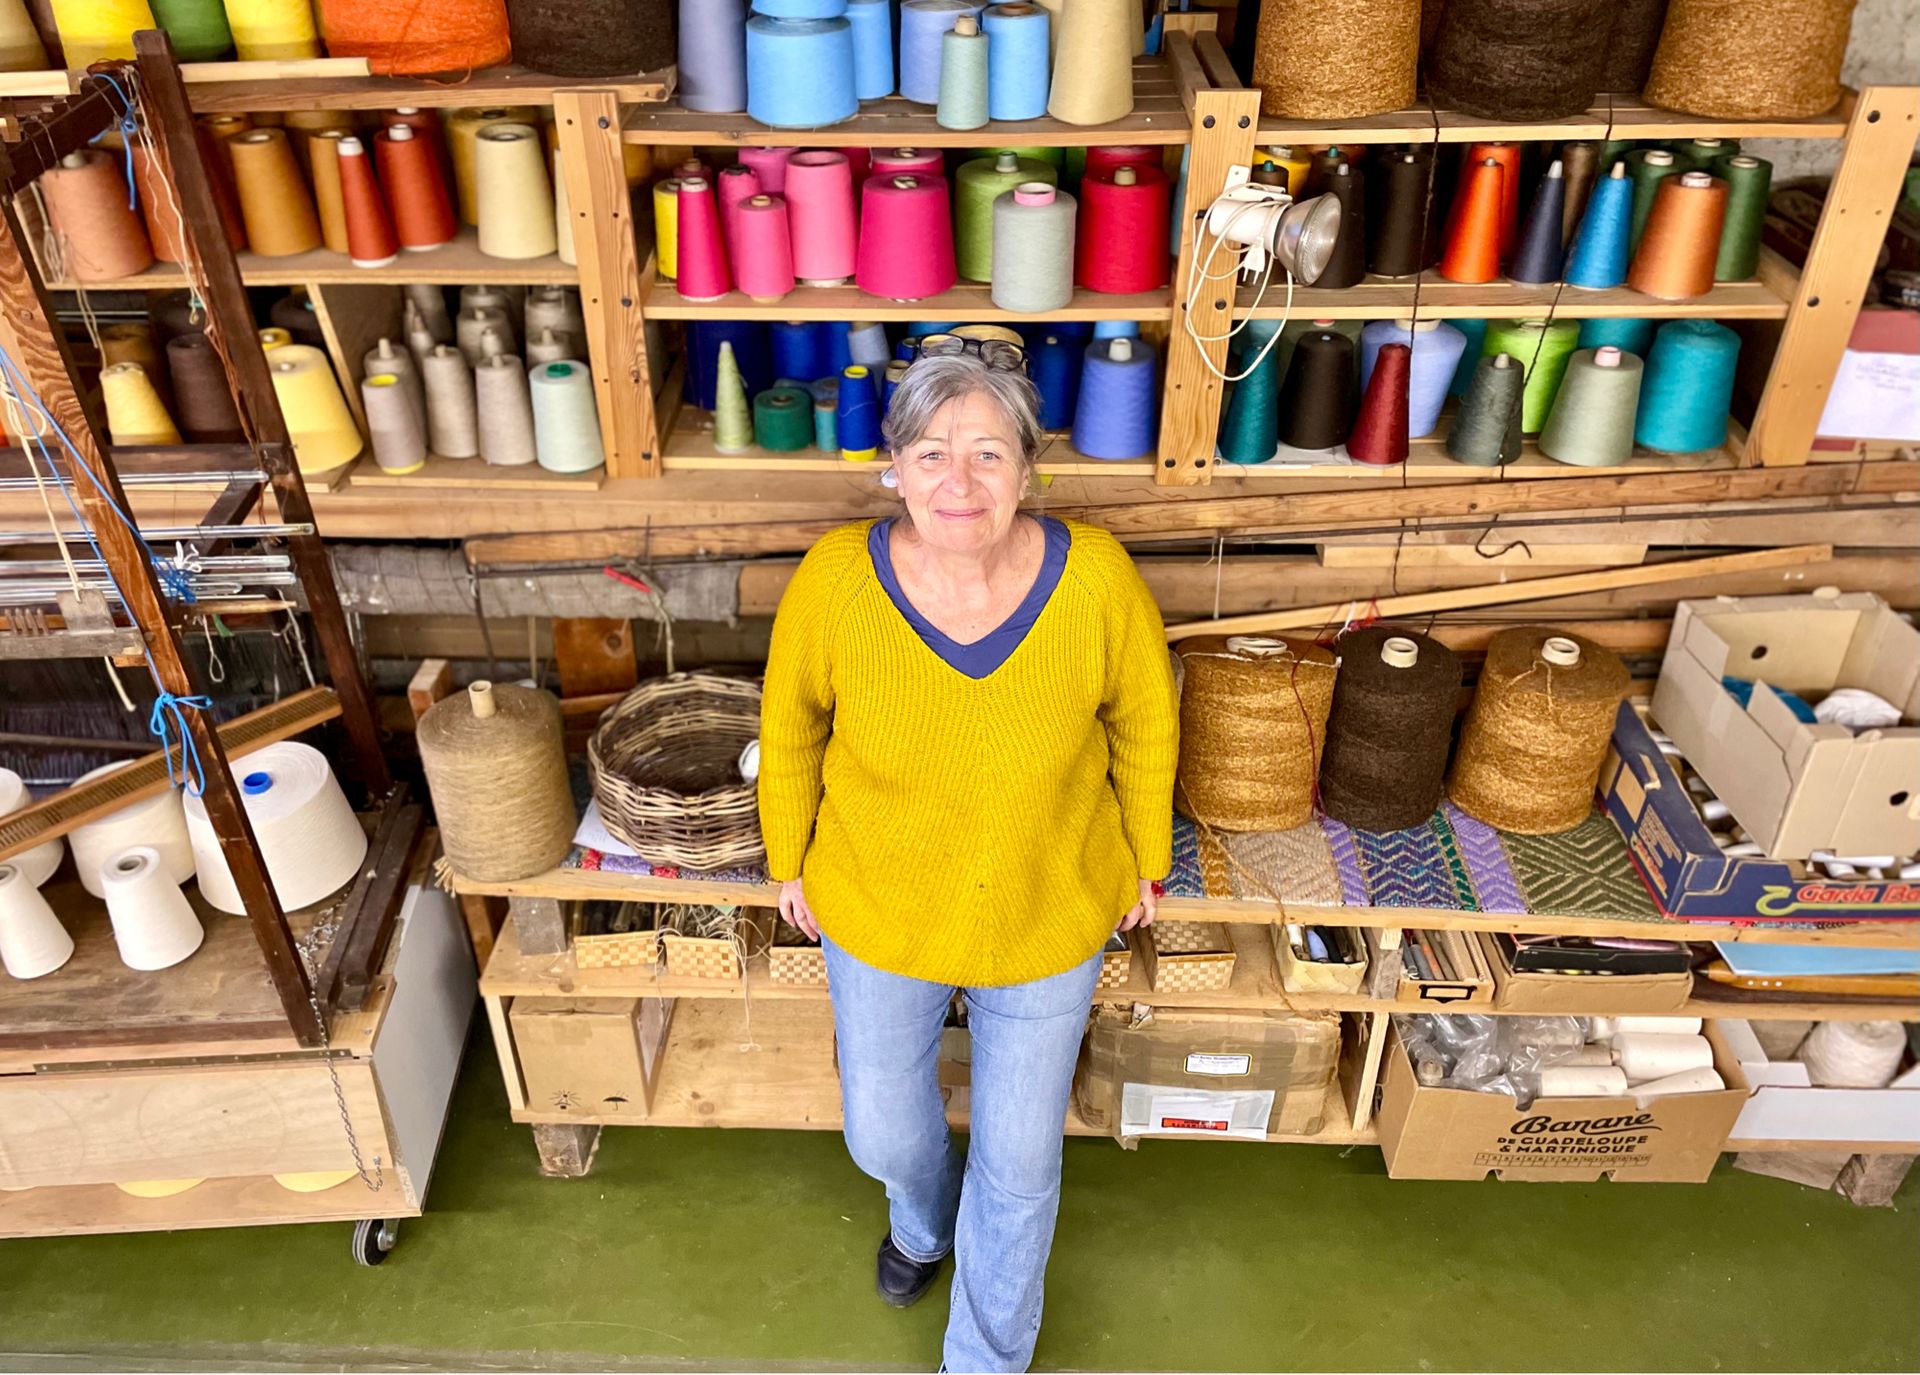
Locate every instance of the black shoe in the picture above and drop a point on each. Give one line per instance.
(900, 1280)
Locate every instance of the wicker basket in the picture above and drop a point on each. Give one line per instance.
(1187, 956)
(666, 770)
(627, 950)
(1116, 965)
(708, 957)
(804, 965)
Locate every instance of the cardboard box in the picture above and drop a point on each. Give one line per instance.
(1798, 787)
(1440, 1133)
(1688, 874)
(1190, 1072)
(1582, 995)
(1785, 1105)
(593, 1058)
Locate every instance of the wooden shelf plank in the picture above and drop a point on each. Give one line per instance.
(511, 85)
(1613, 117)
(1884, 935)
(1158, 117)
(970, 301)
(691, 447)
(1394, 298)
(474, 474)
(458, 262)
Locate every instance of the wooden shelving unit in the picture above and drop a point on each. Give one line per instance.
(1616, 116)
(458, 262)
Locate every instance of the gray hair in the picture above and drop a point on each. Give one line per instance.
(932, 382)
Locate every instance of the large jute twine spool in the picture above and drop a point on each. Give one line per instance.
(1751, 59)
(1336, 59)
(1390, 728)
(1253, 727)
(497, 769)
(1537, 732)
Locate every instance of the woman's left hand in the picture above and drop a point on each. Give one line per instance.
(1142, 912)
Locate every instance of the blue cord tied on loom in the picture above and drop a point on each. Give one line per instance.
(167, 723)
(128, 127)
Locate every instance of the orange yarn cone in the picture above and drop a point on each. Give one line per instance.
(1508, 156)
(370, 236)
(219, 169)
(165, 228)
(422, 206)
(1473, 232)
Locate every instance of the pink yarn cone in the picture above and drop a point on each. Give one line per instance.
(906, 240)
(771, 164)
(701, 253)
(820, 216)
(731, 187)
(765, 248)
(898, 160)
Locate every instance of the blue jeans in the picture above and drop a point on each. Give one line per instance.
(996, 1212)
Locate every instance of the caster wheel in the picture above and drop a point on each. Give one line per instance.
(373, 1239)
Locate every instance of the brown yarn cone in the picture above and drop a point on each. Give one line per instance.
(101, 237)
(202, 401)
(219, 170)
(1336, 59)
(329, 200)
(1764, 59)
(1535, 736)
(1252, 729)
(280, 216)
(1389, 731)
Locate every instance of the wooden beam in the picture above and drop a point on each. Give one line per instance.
(608, 256)
(431, 681)
(594, 655)
(1224, 126)
(1827, 300)
(230, 327)
(1527, 589)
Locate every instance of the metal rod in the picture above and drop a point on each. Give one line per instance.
(172, 532)
(204, 479)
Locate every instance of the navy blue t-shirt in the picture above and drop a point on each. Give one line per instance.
(991, 650)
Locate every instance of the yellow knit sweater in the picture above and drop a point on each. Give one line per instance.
(968, 831)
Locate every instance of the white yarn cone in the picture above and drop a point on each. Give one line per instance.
(309, 837)
(1686, 1081)
(153, 923)
(38, 863)
(32, 940)
(158, 821)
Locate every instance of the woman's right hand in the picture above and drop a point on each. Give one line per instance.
(794, 910)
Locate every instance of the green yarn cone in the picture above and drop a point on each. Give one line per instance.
(783, 419)
(198, 28)
(1749, 180)
(732, 421)
(1251, 431)
(1486, 433)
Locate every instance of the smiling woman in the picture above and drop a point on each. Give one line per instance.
(966, 781)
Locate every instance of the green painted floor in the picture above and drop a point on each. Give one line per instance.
(728, 1250)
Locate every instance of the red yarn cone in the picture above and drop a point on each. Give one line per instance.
(1380, 435)
(371, 241)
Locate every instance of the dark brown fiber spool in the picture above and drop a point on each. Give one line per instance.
(1630, 43)
(592, 37)
(1388, 734)
(202, 401)
(1518, 59)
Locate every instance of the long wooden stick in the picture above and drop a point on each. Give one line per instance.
(1525, 590)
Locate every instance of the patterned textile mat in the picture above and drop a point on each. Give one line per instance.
(1584, 872)
(579, 857)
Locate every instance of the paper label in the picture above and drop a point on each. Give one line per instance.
(1874, 396)
(1220, 1065)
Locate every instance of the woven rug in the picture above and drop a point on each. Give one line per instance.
(1417, 867)
(1494, 885)
(579, 857)
(1297, 865)
(1584, 872)
(1184, 881)
(1346, 862)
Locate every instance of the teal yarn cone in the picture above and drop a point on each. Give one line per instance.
(1476, 332)
(1688, 387)
(1592, 421)
(1542, 348)
(1486, 432)
(1251, 431)
(1629, 336)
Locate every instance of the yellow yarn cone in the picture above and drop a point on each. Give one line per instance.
(157, 1188)
(273, 30)
(135, 412)
(313, 1181)
(324, 435)
(94, 30)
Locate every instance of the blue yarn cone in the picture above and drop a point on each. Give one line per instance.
(1476, 332)
(1629, 336)
(1688, 387)
(1054, 365)
(750, 351)
(1598, 256)
(1116, 413)
(797, 350)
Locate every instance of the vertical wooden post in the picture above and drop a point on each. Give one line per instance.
(1873, 163)
(230, 326)
(48, 366)
(610, 290)
(1225, 123)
